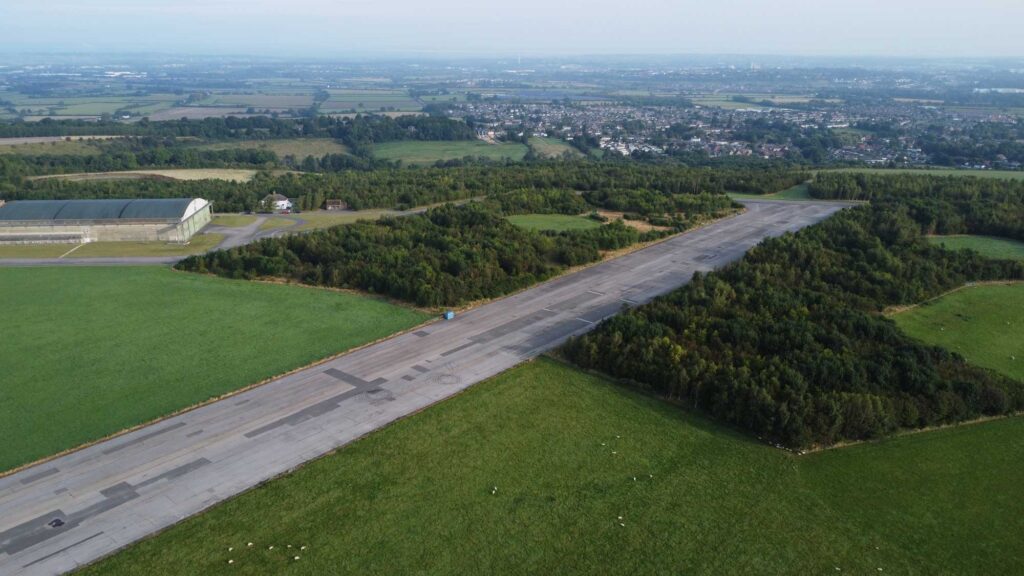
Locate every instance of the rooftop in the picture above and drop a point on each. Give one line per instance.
(139, 209)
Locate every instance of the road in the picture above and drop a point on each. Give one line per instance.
(69, 511)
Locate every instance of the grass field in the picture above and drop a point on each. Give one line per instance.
(231, 174)
(988, 246)
(34, 250)
(1002, 174)
(199, 243)
(61, 148)
(87, 352)
(233, 220)
(297, 147)
(594, 479)
(985, 324)
(276, 222)
(556, 222)
(798, 192)
(553, 148)
(422, 152)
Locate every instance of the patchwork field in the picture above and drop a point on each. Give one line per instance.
(91, 106)
(984, 324)
(420, 152)
(116, 347)
(231, 174)
(297, 147)
(555, 222)
(369, 101)
(545, 470)
(989, 246)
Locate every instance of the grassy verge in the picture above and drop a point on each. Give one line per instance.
(34, 250)
(88, 352)
(989, 246)
(200, 243)
(985, 324)
(591, 478)
(555, 222)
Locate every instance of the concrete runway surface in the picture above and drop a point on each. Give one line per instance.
(69, 511)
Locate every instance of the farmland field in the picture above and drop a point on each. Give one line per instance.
(556, 222)
(552, 147)
(116, 347)
(988, 246)
(369, 101)
(231, 174)
(420, 152)
(297, 147)
(546, 470)
(985, 324)
(54, 148)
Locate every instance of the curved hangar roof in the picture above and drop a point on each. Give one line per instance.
(57, 210)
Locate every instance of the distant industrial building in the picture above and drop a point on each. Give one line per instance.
(79, 221)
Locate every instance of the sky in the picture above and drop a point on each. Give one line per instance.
(338, 28)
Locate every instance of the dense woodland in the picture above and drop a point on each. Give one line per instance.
(448, 256)
(790, 344)
(941, 204)
(403, 188)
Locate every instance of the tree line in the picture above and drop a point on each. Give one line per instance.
(790, 343)
(407, 187)
(447, 256)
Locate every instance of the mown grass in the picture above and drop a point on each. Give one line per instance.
(990, 246)
(423, 152)
(34, 250)
(198, 244)
(233, 220)
(592, 478)
(554, 222)
(985, 324)
(87, 352)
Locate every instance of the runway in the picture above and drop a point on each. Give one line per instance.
(64, 513)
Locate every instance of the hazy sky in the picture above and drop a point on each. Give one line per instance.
(531, 27)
